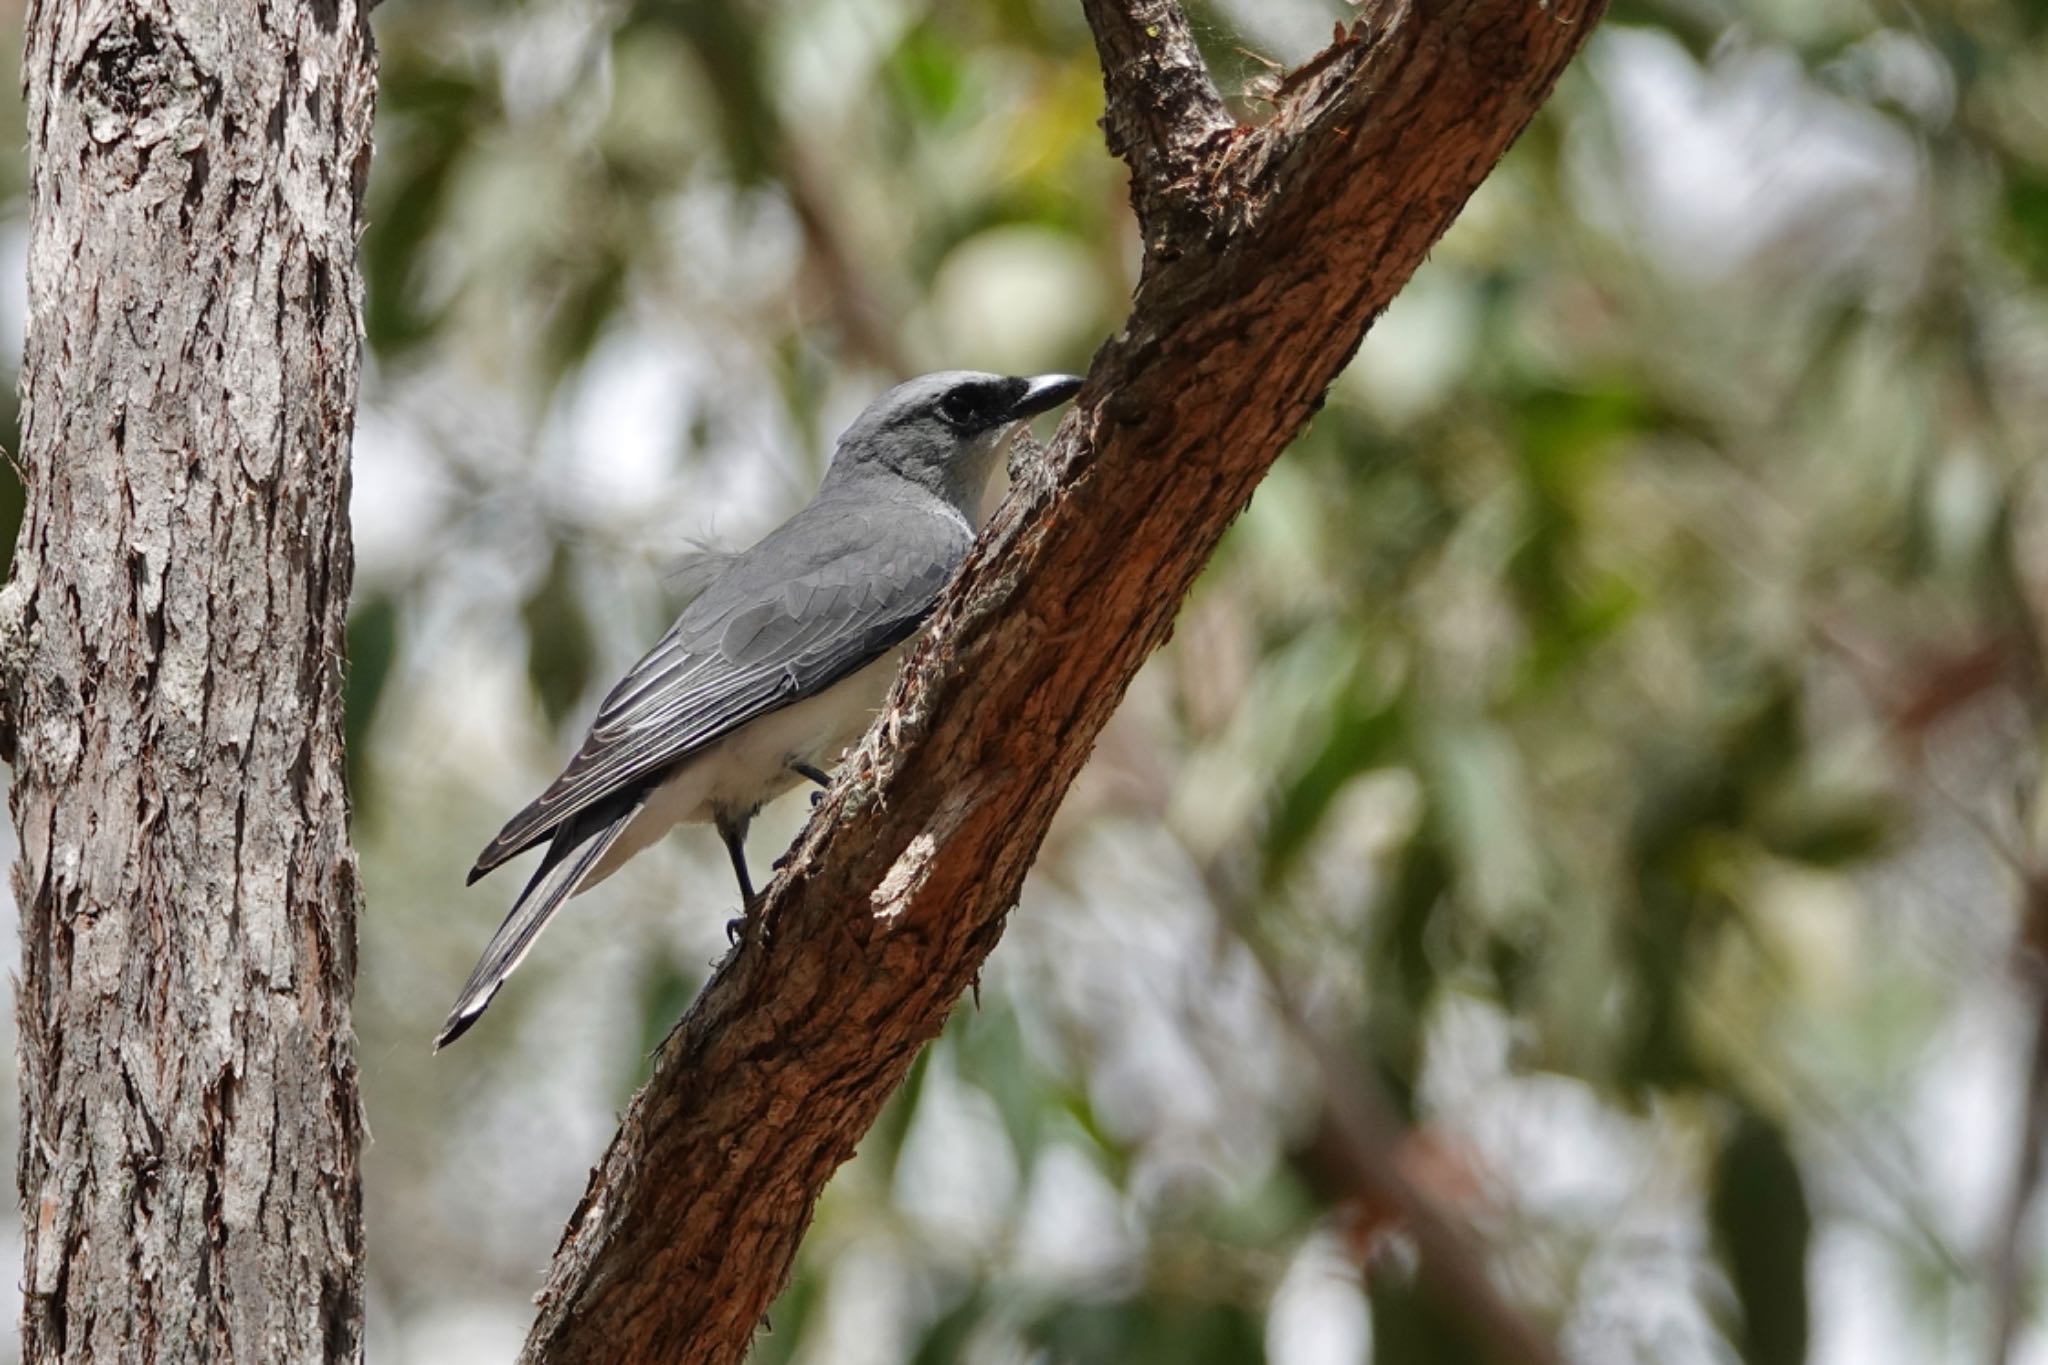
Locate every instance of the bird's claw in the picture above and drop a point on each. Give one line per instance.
(750, 910)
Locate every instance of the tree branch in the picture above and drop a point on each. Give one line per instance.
(1163, 114)
(1363, 1139)
(902, 882)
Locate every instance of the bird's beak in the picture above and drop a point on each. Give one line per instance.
(1046, 392)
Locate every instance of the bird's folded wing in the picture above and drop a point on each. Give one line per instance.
(743, 655)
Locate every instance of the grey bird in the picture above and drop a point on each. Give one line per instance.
(778, 664)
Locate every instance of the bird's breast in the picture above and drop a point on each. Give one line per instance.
(752, 765)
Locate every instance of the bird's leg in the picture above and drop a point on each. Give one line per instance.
(736, 848)
(734, 834)
(816, 774)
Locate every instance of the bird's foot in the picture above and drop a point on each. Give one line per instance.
(748, 919)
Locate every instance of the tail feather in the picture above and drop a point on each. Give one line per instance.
(570, 859)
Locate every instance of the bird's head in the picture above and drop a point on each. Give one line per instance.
(941, 431)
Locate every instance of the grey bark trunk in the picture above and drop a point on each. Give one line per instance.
(190, 1125)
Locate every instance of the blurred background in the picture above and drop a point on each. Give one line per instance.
(1615, 728)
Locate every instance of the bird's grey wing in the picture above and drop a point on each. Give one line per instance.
(693, 571)
(744, 655)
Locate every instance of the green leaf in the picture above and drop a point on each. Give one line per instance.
(1361, 734)
(1566, 433)
(947, 1338)
(433, 113)
(1698, 794)
(989, 1052)
(885, 1139)
(1403, 976)
(1409, 1327)
(1763, 1229)
(2025, 227)
(560, 653)
(783, 1331)
(928, 73)
(372, 650)
(592, 288)
(665, 993)
(1151, 1331)
(1825, 828)
(13, 503)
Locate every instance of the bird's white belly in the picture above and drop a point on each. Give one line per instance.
(752, 766)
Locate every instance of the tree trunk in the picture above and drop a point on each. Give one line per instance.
(174, 635)
(1267, 251)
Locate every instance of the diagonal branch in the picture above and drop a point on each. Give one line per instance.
(901, 885)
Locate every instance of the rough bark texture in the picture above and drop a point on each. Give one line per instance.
(190, 1127)
(1268, 250)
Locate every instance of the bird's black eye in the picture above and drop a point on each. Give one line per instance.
(962, 407)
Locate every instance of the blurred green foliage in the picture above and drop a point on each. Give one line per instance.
(1612, 704)
(1764, 1231)
(1586, 702)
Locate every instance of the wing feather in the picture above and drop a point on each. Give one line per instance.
(755, 641)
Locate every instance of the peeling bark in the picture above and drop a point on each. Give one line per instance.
(173, 652)
(1268, 250)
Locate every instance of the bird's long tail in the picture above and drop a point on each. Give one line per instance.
(570, 858)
